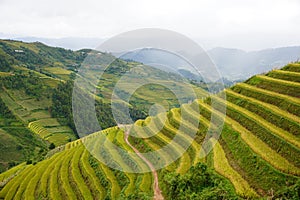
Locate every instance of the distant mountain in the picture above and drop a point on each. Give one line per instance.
(238, 64)
(153, 56)
(233, 64)
(162, 59)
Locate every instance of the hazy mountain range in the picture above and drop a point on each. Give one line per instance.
(233, 64)
(239, 64)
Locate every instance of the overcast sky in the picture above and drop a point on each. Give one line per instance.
(246, 24)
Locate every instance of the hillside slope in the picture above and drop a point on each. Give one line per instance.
(36, 83)
(258, 151)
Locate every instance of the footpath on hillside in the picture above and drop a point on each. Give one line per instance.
(157, 192)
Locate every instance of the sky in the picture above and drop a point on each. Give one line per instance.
(244, 24)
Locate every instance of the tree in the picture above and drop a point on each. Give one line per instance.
(4, 65)
(52, 146)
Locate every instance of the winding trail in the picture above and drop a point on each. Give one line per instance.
(157, 192)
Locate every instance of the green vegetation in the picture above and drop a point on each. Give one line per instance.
(41, 72)
(284, 102)
(249, 149)
(32, 109)
(256, 156)
(78, 174)
(62, 107)
(5, 176)
(271, 113)
(18, 144)
(289, 192)
(267, 132)
(222, 166)
(65, 175)
(198, 183)
(292, 67)
(254, 168)
(11, 188)
(89, 174)
(285, 75)
(283, 87)
(5, 65)
(246, 162)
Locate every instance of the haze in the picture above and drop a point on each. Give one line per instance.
(248, 25)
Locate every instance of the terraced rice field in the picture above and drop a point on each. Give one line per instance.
(260, 138)
(35, 115)
(71, 174)
(258, 150)
(58, 72)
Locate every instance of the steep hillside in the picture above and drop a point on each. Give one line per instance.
(256, 156)
(17, 143)
(73, 173)
(36, 83)
(259, 149)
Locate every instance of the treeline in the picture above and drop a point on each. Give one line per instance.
(24, 54)
(31, 84)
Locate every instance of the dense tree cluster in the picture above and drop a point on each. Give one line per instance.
(4, 111)
(62, 108)
(31, 84)
(62, 104)
(198, 183)
(22, 54)
(4, 64)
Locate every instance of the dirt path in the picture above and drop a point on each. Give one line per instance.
(157, 192)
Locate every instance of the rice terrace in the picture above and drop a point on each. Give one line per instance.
(96, 104)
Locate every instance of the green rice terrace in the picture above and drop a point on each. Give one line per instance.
(256, 157)
(36, 88)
